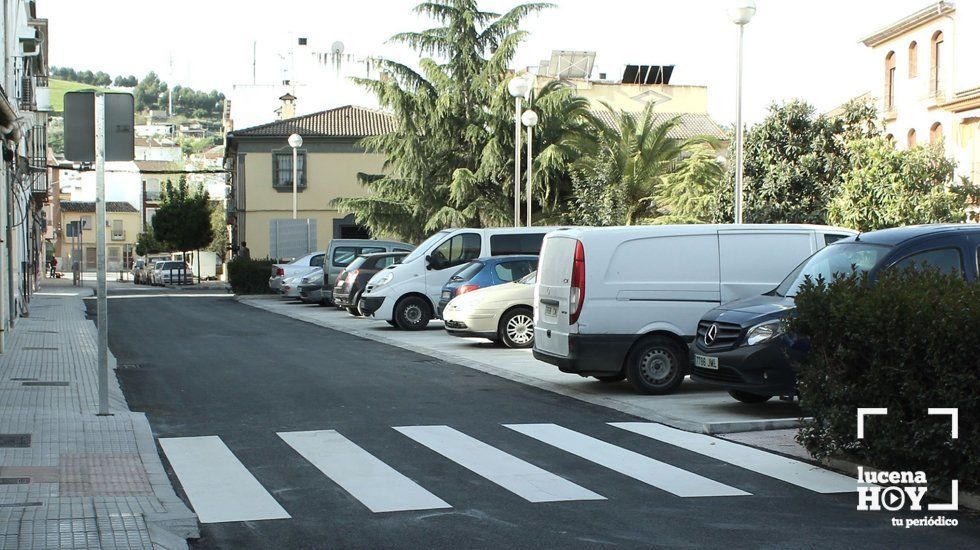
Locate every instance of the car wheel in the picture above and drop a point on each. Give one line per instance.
(413, 313)
(359, 304)
(516, 328)
(353, 311)
(655, 366)
(611, 378)
(746, 397)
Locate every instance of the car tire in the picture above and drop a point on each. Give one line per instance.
(746, 397)
(413, 313)
(359, 304)
(655, 365)
(516, 328)
(392, 323)
(611, 378)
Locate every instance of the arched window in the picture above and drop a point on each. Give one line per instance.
(911, 138)
(890, 138)
(913, 59)
(889, 81)
(936, 58)
(936, 133)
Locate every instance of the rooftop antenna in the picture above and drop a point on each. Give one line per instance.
(170, 88)
(336, 51)
(253, 62)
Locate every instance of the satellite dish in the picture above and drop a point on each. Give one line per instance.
(337, 47)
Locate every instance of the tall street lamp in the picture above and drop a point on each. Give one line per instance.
(530, 120)
(741, 13)
(518, 88)
(295, 141)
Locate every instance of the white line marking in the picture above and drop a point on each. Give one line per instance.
(652, 472)
(378, 486)
(218, 485)
(785, 469)
(517, 476)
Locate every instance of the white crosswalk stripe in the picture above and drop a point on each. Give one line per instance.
(378, 486)
(216, 482)
(517, 476)
(784, 469)
(652, 472)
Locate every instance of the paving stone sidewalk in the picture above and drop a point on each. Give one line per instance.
(70, 478)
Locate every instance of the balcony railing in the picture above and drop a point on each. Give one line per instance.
(119, 234)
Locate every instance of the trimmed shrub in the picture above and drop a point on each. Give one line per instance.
(908, 342)
(249, 276)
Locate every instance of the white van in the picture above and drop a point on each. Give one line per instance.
(624, 302)
(405, 295)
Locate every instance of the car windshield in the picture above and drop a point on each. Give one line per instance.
(832, 261)
(423, 248)
(528, 279)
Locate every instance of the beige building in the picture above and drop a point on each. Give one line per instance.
(927, 80)
(123, 220)
(260, 161)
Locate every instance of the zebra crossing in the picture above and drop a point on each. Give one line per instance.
(221, 489)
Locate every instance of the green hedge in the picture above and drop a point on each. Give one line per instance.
(909, 342)
(249, 276)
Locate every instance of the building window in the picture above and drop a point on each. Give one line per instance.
(936, 133)
(913, 59)
(890, 81)
(911, 138)
(935, 82)
(890, 138)
(282, 170)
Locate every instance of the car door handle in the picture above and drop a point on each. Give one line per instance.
(549, 302)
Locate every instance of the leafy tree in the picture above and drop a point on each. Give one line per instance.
(593, 201)
(795, 161)
(146, 243)
(450, 158)
(101, 79)
(219, 227)
(183, 220)
(694, 192)
(886, 187)
(149, 91)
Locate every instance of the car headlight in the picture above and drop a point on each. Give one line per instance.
(764, 332)
(385, 279)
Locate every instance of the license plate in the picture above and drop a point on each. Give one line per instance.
(445, 294)
(551, 311)
(706, 362)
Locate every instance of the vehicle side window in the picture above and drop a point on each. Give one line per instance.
(831, 238)
(457, 250)
(342, 256)
(947, 260)
(521, 243)
(385, 262)
(512, 271)
(317, 261)
(371, 250)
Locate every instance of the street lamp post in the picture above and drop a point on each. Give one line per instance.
(741, 13)
(518, 87)
(530, 120)
(295, 141)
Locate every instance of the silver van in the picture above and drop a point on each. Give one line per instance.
(341, 252)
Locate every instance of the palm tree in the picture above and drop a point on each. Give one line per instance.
(641, 153)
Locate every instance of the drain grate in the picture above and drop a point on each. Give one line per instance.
(42, 349)
(16, 504)
(57, 383)
(15, 441)
(14, 480)
(21, 379)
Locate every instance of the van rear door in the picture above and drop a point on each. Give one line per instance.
(552, 294)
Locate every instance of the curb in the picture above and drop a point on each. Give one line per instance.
(710, 428)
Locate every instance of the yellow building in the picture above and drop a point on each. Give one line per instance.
(260, 161)
(123, 227)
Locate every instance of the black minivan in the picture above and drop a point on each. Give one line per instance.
(741, 345)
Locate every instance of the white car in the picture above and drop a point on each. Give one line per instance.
(298, 267)
(502, 313)
(290, 285)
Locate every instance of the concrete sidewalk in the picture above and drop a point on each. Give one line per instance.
(70, 478)
(695, 407)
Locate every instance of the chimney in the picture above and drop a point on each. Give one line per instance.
(288, 109)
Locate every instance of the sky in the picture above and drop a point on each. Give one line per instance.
(793, 48)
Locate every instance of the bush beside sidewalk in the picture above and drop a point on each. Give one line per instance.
(72, 478)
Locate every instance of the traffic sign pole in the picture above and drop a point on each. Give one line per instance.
(100, 251)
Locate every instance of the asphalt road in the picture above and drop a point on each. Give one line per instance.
(209, 366)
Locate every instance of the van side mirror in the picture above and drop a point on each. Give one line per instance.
(431, 263)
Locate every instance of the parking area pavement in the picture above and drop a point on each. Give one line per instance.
(695, 407)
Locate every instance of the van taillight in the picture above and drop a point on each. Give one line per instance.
(577, 294)
(280, 272)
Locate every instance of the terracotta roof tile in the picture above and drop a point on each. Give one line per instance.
(85, 206)
(348, 121)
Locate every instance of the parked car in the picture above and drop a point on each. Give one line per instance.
(406, 295)
(502, 313)
(299, 266)
(486, 272)
(311, 288)
(741, 346)
(624, 302)
(154, 278)
(291, 285)
(174, 272)
(138, 266)
(351, 281)
(341, 252)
